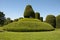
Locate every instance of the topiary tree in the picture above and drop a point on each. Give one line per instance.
(51, 19)
(58, 21)
(41, 18)
(37, 15)
(29, 12)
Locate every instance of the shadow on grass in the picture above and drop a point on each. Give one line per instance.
(29, 30)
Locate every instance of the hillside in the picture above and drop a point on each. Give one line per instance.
(28, 24)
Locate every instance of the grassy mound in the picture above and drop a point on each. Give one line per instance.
(30, 20)
(28, 24)
(1, 29)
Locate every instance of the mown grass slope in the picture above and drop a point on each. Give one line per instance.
(1, 29)
(51, 35)
(28, 24)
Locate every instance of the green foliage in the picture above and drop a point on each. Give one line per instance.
(2, 14)
(21, 18)
(29, 13)
(15, 20)
(58, 21)
(7, 21)
(51, 19)
(41, 18)
(28, 24)
(37, 15)
(30, 20)
(2, 18)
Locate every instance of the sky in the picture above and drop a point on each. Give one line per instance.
(15, 8)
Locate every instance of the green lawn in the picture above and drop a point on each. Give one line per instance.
(1, 28)
(52, 35)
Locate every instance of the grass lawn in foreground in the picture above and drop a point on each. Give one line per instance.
(52, 35)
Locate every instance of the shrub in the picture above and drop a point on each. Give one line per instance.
(8, 20)
(51, 19)
(29, 12)
(37, 15)
(28, 25)
(21, 18)
(15, 20)
(58, 21)
(30, 20)
(41, 18)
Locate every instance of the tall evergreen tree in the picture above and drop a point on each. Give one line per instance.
(37, 15)
(41, 18)
(29, 12)
(2, 18)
